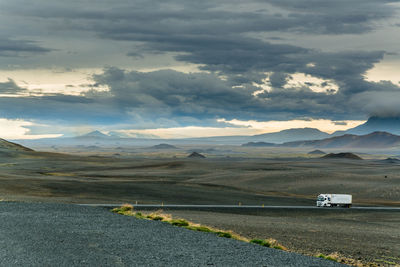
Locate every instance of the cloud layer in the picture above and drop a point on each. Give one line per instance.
(239, 51)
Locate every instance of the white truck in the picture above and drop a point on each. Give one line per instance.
(334, 200)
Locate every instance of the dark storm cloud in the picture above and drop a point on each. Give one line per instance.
(339, 16)
(11, 48)
(210, 17)
(215, 34)
(205, 96)
(176, 95)
(225, 40)
(169, 93)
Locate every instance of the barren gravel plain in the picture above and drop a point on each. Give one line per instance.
(367, 236)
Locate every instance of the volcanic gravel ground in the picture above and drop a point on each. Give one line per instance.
(36, 234)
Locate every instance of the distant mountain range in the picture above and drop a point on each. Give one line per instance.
(115, 135)
(374, 140)
(290, 137)
(389, 125)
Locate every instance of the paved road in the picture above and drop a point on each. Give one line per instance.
(35, 234)
(173, 206)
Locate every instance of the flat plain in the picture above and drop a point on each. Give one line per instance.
(274, 179)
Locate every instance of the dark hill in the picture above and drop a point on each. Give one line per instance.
(317, 152)
(391, 160)
(259, 144)
(6, 146)
(346, 155)
(164, 146)
(196, 155)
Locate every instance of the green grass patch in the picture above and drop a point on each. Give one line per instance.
(139, 215)
(208, 230)
(260, 242)
(157, 218)
(224, 234)
(179, 222)
(322, 256)
(124, 210)
(200, 229)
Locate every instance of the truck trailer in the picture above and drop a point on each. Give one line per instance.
(334, 200)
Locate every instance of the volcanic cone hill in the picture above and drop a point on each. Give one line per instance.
(259, 144)
(164, 146)
(346, 155)
(195, 155)
(317, 152)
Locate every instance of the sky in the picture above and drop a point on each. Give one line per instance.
(195, 68)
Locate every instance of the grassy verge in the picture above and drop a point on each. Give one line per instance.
(159, 216)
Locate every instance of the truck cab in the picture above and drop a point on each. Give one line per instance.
(323, 201)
